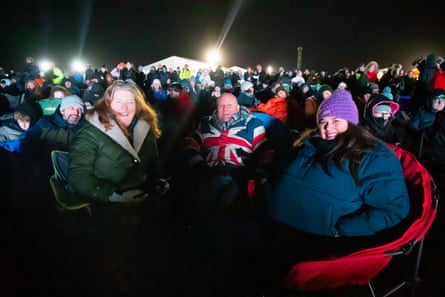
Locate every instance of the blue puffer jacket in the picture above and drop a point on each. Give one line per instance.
(307, 198)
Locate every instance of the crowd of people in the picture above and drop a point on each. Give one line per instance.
(254, 169)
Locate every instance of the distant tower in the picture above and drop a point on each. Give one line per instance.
(299, 56)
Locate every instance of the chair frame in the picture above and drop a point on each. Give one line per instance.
(318, 275)
(60, 187)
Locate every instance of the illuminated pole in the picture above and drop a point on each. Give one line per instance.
(299, 56)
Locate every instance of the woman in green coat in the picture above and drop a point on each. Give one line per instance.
(114, 164)
(115, 158)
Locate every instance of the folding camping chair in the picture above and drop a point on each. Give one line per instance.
(362, 267)
(64, 196)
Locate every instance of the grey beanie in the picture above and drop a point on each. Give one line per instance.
(71, 100)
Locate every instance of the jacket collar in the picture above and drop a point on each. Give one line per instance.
(140, 132)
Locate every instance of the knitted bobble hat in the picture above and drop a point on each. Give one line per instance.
(339, 105)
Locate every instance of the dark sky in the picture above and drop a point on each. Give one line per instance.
(333, 34)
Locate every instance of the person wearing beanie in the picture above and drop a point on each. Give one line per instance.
(325, 91)
(339, 106)
(55, 131)
(247, 97)
(342, 190)
(156, 94)
(71, 101)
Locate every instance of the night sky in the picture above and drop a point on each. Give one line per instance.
(333, 34)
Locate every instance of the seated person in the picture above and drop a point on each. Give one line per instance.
(382, 119)
(342, 190)
(56, 131)
(227, 141)
(225, 153)
(13, 125)
(52, 132)
(246, 96)
(429, 123)
(49, 105)
(276, 106)
(114, 164)
(115, 157)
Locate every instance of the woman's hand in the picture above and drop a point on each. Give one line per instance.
(133, 195)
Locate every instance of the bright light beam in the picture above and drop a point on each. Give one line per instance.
(85, 12)
(228, 24)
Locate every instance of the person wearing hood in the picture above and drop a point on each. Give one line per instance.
(426, 116)
(428, 127)
(380, 118)
(14, 125)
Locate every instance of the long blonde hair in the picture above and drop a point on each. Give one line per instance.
(143, 110)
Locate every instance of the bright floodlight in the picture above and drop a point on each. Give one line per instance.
(44, 65)
(213, 57)
(269, 69)
(78, 66)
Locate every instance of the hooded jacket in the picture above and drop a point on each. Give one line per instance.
(103, 162)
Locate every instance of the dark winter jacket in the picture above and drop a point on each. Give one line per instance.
(51, 132)
(103, 162)
(307, 198)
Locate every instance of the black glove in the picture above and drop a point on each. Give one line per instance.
(162, 185)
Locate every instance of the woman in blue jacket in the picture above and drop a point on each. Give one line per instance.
(341, 189)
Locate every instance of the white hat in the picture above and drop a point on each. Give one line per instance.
(70, 101)
(245, 85)
(156, 81)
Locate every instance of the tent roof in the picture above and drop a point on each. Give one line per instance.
(175, 61)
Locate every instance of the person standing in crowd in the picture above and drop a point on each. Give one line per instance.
(33, 92)
(342, 190)
(371, 71)
(30, 71)
(114, 164)
(185, 73)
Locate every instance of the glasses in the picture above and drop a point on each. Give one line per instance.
(440, 97)
(123, 82)
(384, 115)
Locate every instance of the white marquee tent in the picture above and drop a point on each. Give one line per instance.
(194, 65)
(175, 61)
